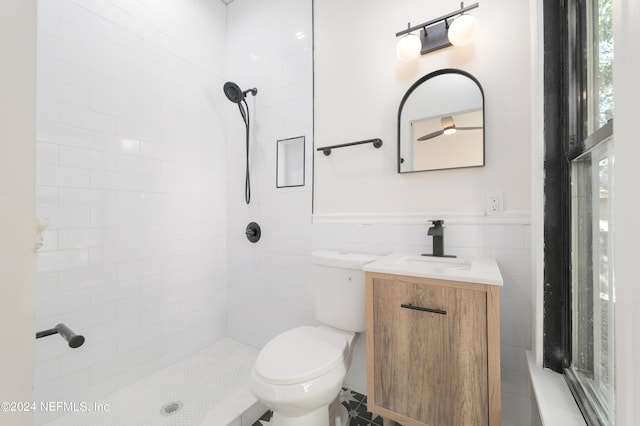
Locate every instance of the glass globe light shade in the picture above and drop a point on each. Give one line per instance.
(409, 48)
(450, 131)
(462, 30)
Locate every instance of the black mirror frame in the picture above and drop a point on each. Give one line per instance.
(414, 86)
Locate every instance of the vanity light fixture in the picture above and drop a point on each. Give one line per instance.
(408, 47)
(455, 28)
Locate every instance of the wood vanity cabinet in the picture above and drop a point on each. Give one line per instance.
(433, 351)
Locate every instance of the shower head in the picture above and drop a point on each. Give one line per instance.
(235, 94)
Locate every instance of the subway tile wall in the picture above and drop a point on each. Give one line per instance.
(131, 173)
(269, 282)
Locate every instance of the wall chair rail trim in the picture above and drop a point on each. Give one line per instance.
(510, 217)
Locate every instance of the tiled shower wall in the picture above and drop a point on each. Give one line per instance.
(131, 174)
(270, 50)
(269, 282)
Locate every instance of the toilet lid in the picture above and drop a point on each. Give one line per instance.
(300, 354)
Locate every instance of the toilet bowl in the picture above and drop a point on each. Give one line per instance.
(299, 373)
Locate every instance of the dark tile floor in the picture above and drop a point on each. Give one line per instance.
(356, 405)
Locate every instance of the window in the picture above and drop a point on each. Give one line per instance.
(599, 63)
(591, 372)
(579, 160)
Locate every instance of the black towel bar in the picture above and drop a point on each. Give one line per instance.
(377, 143)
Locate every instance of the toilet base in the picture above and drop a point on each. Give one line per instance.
(334, 414)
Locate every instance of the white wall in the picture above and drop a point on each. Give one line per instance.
(17, 207)
(269, 46)
(131, 174)
(626, 206)
(359, 85)
(269, 282)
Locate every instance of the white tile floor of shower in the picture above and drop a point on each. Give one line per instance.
(205, 389)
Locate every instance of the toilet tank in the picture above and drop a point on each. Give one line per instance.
(339, 289)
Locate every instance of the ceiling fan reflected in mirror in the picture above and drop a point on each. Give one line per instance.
(448, 128)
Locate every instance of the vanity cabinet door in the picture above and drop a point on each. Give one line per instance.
(429, 352)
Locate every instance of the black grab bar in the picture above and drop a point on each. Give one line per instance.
(75, 340)
(377, 143)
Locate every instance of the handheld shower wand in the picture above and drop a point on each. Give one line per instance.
(237, 96)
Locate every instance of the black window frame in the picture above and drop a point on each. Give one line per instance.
(557, 282)
(565, 138)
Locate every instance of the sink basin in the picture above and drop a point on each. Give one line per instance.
(434, 263)
(481, 270)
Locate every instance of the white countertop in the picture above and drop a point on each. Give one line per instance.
(479, 270)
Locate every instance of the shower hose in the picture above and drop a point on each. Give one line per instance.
(245, 117)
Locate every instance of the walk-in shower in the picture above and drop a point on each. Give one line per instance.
(207, 388)
(237, 96)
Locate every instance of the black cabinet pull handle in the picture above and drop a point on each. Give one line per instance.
(420, 308)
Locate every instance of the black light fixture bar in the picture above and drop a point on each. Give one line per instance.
(435, 21)
(377, 143)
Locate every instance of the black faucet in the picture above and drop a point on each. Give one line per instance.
(437, 232)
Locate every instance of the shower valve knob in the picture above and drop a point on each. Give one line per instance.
(253, 232)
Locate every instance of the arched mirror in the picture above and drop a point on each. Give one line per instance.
(441, 123)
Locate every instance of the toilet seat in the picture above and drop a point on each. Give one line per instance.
(300, 354)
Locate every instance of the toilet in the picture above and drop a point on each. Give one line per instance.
(299, 373)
